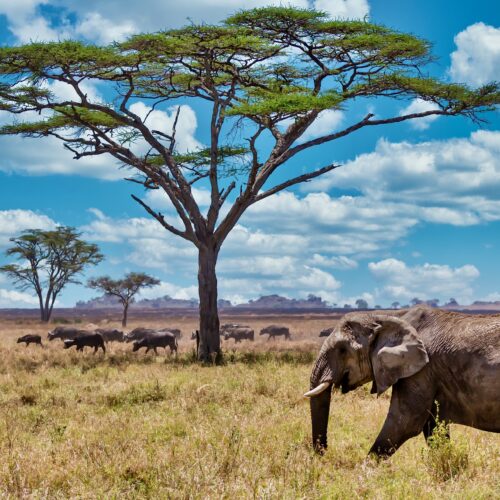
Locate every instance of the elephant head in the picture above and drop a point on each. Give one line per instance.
(363, 348)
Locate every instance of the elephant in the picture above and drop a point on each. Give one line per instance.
(440, 364)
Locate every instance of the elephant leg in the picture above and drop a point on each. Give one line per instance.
(431, 424)
(408, 413)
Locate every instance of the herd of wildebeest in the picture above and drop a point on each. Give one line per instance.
(149, 338)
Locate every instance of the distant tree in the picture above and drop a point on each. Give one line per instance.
(361, 304)
(377, 306)
(452, 302)
(415, 301)
(264, 74)
(347, 306)
(49, 261)
(395, 305)
(124, 289)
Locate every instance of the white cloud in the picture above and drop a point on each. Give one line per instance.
(103, 22)
(327, 122)
(157, 198)
(46, 156)
(164, 122)
(347, 9)
(15, 299)
(420, 106)
(13, 222)
(476, 60)
(102, 30)
(335, 262)
(174, 291)
(403, 282)
(454, 181)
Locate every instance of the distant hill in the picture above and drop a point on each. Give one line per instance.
(165, 302)
(279, 302)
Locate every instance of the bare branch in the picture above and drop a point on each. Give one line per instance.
(159, 217)
(295, 180)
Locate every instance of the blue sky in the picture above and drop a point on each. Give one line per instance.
(414, 211)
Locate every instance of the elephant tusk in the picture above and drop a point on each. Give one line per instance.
(317, 390)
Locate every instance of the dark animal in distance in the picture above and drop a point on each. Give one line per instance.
(440, 364)
(66, 332)
(165, 339)
(110, 335)
(30, 339)
(326, 332)
(275, 331)
(238, 333)
(94, 340)
(141, 332)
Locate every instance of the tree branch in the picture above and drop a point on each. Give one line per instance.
(159, 217)
(295, 180)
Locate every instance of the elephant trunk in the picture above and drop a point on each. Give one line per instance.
(320, 404)
(320, 411)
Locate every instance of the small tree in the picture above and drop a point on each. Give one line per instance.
(49, 261)
(264, 75)
(125, 289)
(396, 305)
(361, 304)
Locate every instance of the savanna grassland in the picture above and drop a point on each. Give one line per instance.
(130, 425)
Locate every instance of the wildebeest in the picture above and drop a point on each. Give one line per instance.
(164, 339)
(326, 332)
(110, 335)
(275, 331)
(30, 339)
(141, 332)
(66, 332)
(93, 340)
(238, 333)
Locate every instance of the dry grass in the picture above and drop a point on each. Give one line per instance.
(135, 426)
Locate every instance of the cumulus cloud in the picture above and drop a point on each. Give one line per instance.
(403, 282)
(454, 181)
(164, 122)
(476, 60)
(335, 262)
(113, 20)
(15, 299)
(327, 122)
(420, 106)
(102, 30)
(347, 9)
(13, 222)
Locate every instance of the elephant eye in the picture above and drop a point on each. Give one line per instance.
(342, 350)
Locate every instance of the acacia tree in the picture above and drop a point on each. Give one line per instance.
(49, 261)
(125, 289)
(264, 74)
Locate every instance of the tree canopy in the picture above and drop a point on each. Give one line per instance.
(124, 289)
(264, 74)
(50, 260)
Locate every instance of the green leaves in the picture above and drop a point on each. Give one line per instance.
(286, 104)
(69, 117)
(124, 288)
(49, 260)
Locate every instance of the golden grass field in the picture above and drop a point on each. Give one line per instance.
(130, 425)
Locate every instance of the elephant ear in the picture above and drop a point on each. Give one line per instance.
(396, 352)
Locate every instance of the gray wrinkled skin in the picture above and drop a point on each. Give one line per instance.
(427, 356)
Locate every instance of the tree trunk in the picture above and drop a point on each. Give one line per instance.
(125, 314)
(209, 348)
